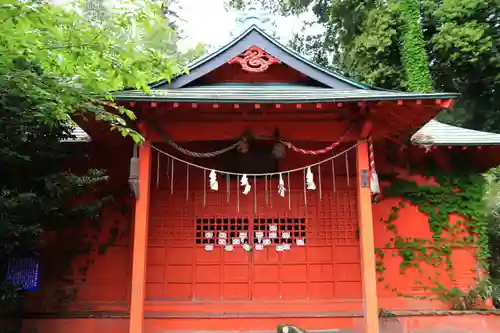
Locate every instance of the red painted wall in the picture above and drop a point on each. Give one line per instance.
(233, 73)
(331, 262)
(101, 276)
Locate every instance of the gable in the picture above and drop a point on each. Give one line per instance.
(254, 70)
(252, 39)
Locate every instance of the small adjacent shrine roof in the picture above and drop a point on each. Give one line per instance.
(438, 134)
(79, 135)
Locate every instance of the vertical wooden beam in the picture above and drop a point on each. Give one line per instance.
(365, 219)
(140, 243)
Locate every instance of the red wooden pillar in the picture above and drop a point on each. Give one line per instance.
(365, 219)
(140, 243)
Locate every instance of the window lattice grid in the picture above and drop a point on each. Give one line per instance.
(221, 231)
(281, 230)
(336, 219)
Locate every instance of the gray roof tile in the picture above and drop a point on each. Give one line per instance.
(438, 134)
(272, 94)
(80, 135)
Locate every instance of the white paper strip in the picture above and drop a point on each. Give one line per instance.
(244, 182)
(281, 187)
(212, 178)
(310, 180)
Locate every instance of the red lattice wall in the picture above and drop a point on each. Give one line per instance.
(327, 266)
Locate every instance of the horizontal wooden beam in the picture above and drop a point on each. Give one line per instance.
(209, 131)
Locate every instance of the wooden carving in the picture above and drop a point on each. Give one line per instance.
(255, 60)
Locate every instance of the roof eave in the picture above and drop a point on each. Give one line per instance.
(149, 98)
(454, 144)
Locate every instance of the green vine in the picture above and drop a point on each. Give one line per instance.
(459, 193)
(413, 53)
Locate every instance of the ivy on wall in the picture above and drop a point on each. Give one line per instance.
(413, 53)
(459, 193)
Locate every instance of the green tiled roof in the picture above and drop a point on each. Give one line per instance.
(271, 94)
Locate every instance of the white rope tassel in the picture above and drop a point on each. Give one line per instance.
(212, 178)
(374, 184)
(310, 180)
(281, 187)
(244, 182)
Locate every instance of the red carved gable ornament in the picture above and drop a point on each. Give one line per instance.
(254, 60)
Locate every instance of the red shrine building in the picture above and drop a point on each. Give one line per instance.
(253, 204)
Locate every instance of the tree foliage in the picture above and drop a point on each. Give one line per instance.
(56, 61)
(35, 186)
(97, 53)
(413, 53)
(492, 200)
(364, 40)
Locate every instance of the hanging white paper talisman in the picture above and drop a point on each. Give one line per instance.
(213, 183)
(286, 246)
(279, 248)
(243, 236)
(259, 247)
(266, 241)
(222, 241)
(259, 235)
(300, 241)
(222, 235)
(281, 187)
(209, 247)
(209, 235)
(285, 235)
(244, 182)
(236, 241)
(310, 180)
(273, 231)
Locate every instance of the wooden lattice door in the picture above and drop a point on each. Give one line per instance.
(322, 263)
